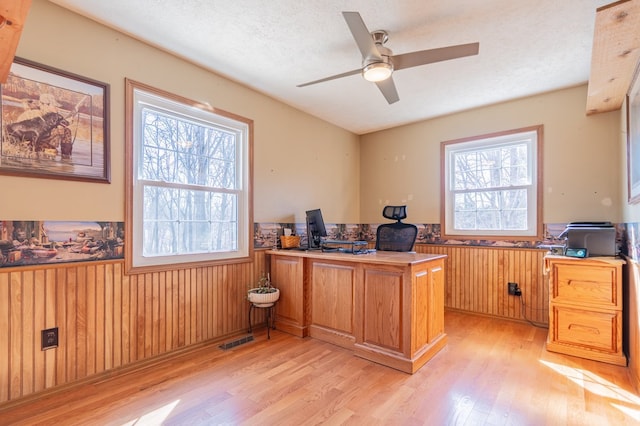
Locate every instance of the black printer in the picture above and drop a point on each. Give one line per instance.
(599, 238)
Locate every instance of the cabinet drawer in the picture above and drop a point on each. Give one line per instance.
(585, 284)
(587, 329)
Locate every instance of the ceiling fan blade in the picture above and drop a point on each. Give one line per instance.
(388, 89)
(361, 35)
(422, 57)
(333, 77)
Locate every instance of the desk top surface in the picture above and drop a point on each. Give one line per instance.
(385, 257)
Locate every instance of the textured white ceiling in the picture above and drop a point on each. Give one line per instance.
(526, 47)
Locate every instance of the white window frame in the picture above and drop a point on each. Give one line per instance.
(532, 136)
(141, 96)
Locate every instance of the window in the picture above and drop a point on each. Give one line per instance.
(188, 181)
(492, 185)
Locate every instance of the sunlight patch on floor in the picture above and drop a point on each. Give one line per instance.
(621, 399)
(155, 417)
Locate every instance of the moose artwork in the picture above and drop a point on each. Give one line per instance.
(54, 124)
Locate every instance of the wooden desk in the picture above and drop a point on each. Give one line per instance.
(387, 307)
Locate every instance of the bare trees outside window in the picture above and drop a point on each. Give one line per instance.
(491, 184)
(190, 176)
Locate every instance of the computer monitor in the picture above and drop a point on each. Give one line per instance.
(315, 228)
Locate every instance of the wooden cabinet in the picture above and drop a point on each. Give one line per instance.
(387, 307)
(585, 307)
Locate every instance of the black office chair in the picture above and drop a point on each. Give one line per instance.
(398, 236)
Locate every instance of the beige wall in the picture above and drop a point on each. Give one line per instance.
(581, 158)
(302, 162)
(292, 149)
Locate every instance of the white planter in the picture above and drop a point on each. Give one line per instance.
(263, 299)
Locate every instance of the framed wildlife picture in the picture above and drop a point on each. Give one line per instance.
(54, 124)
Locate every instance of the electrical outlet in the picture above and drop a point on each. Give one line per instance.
(49, 338)
(514, 290)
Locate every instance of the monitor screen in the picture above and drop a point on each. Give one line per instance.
(315, 228)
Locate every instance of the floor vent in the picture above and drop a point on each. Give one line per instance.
(236, 342)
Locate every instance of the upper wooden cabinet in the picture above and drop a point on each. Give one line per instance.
(13, 15)
(616, 51)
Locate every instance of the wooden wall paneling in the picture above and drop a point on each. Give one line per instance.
(125, 324)
(236, 296)
(216, 294)
(50, 308)
(223, 274)
(512, 270)
(201, 306)
(90, 342)
(27, 324)
(97, 320)
(476, 280)
(159, 313)
(224, 286)
(81, 322)
(140, 317)
(173, 300)
(108, 320)
(493, 276)
(61, 313)
(193, 307)
(39, 321)
(15, 335)
(144, 295)
(214, 310)
(219, 295)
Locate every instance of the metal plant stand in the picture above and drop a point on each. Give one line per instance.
(270, 317)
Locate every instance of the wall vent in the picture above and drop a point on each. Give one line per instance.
(236, 342)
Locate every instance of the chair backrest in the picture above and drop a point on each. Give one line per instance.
(396, 236)
(395, 212)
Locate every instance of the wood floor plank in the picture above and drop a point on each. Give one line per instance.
(492, 372)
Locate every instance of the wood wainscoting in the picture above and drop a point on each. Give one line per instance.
(108, 320)
(477, 277)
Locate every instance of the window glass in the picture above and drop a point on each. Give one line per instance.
(490, 185)
(190, 179)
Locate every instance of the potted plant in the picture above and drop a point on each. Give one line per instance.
(265, 294)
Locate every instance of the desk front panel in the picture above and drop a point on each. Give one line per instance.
(332, 287)
(383, 306)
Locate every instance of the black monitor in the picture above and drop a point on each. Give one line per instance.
(315, 228)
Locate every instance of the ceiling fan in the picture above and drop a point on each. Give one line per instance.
(378, 62)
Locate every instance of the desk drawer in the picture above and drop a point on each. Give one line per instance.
(585, 284)
(587, 329)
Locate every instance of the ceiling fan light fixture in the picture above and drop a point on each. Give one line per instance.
(377, 71)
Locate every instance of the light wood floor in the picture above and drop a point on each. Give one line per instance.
(493, 372)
